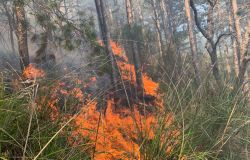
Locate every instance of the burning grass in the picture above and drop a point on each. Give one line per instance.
(119, 132)
(108, 127)
(123, 126)
(32, 72)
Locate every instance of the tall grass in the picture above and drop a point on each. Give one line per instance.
(214, 123)
(25, 129)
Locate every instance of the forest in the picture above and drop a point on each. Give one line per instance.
(125, 79)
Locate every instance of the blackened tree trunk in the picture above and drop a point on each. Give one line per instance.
(21, 32)
(106, 39)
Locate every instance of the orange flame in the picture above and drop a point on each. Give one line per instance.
(32, 72)
(116, 135)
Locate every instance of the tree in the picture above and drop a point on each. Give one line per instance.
(21, 32)
(158, 30)
(11, 23)
(42, 13)
(212, 43)
(105, 34)
(242, 44)
(245, 57)
(133, 44)
(233, 42)
(192, 41)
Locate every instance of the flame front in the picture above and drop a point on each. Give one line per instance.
(116, 133)
(32, 72)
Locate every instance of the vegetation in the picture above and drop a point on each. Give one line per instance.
(124, 79)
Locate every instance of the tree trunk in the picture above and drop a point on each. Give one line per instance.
(158, 31)
(211, 45)
(228, 66)
(242, 44)
(21, 32)
(106, 40)
(140, 11)
(237, 28)
(192, 42)
(172, 54)
(129, 12)
(234, 41)
(134, 47)
(245, 58)
(11, 25)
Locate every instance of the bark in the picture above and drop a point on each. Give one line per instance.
(211, 44)
(236, 54)
(11, 25)
(139, 11)
(192, 42)
(172, 55)
(237, 28)
(100, 18)
(129, 12)
(106, 39)
(245, 58)
(136, 58)
(211, 47)
(228, 66)
(158, 30)
(165, 20)
(242, 44)
(21, 32)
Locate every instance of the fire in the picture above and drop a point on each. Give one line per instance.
(32, 72)
(117, 133)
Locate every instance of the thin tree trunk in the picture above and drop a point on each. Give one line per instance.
(165, 21)
(134, 47)
(106, 39)
(245, 57)
(228, 66)
(236, 50)
(139, 11)
(21, 32)
(211, 45)
(242, 44)
(129, 12)
(211, 48)
(192, 42)
(11, 25)
(237, 28)
(172, 55)
(158, 30)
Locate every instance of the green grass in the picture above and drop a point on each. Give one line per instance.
(214, 124)
(25, 131)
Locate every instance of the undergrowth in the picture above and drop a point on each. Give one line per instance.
(213, 124)
(26, 128)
